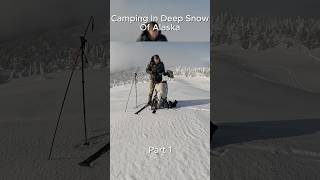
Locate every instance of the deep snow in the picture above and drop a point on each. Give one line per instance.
(184, 129)
(29, 109)
(267, 106)
(269, 126)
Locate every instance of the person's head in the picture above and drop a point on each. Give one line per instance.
(152, 31)
(156, 59)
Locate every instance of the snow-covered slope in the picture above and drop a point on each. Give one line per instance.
(29, 107)
(268, 126)
(185, 130)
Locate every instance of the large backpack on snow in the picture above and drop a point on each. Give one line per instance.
(160, 100)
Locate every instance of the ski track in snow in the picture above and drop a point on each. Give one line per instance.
(185, 130)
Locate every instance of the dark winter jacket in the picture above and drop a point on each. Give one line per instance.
(144, 37)
(156, 71)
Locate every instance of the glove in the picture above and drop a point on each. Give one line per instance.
(170, 74)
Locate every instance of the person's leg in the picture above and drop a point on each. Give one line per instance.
(151, 89)
(158, 89)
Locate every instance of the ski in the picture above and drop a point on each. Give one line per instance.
(89, 161)
(145, 106)
(85, 164)
(154, 109)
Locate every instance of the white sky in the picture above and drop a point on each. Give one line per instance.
(137, 55)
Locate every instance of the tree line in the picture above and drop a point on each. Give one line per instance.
(265, 32)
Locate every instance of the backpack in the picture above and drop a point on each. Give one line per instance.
(164, 103)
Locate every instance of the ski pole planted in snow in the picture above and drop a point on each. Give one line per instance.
(135, 82)
(83, 58)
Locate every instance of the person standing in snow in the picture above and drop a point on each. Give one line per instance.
(156, 70)
(152, 33)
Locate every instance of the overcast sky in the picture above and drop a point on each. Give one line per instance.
(189, 32)
(284, 8)
(132, 55)
(19, 17)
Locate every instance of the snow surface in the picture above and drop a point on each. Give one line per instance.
(266, 104)
(185, 129)
(29, 109)
(269, 125)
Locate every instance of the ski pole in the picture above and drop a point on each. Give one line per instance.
(135, 80)
(129, 96)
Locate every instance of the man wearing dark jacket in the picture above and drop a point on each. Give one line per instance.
(156, 70)
(152, 33)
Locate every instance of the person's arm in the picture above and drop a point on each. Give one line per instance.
(149, 69)
(163, 71)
